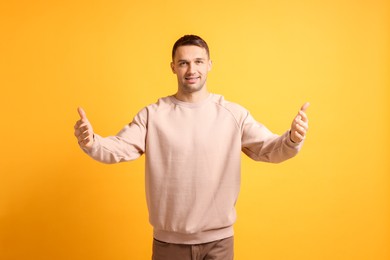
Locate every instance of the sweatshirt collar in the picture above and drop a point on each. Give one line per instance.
(188, 104)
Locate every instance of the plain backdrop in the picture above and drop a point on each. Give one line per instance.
(112, 58)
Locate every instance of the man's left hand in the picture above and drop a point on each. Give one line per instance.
(300, 125)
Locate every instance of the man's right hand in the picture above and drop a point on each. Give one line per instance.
(83, 130)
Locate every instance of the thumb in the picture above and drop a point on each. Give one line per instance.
(305, 106)
(81, 113)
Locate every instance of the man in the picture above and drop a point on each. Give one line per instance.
(192, 142)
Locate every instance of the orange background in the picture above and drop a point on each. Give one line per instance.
(112, 58)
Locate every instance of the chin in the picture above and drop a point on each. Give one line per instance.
(192, 89)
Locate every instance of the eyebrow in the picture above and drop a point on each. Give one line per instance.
(187, 60)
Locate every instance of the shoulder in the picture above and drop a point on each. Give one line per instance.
(161, 103)
(220, 100)
(236, 110)
(143, 115)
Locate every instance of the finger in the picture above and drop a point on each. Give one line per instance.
(299, 136)
(81, 113)
(84, 126)
(77, 133)
(305, 106)
(84, 139)
(77, 125)
(303, 116)
(301, 129)
(78, 129)
(82, 131)
(83, 142)
(85, 135)
(302, 124)
(304, 127)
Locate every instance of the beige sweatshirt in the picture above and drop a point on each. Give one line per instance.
(193, 160)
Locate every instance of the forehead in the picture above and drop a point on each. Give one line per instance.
(190, 52)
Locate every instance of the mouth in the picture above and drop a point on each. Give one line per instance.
(192, 80)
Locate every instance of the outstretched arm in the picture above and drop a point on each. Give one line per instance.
(128, 144)
(261, 144)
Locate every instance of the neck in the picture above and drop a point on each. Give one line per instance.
(192, 97)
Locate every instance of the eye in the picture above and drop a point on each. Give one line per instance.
(182, 63)
(199, 62)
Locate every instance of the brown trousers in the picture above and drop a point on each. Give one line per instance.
(216, 250)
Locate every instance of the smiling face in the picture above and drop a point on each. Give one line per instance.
(191, 65)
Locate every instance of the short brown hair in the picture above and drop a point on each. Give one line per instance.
(190, 40)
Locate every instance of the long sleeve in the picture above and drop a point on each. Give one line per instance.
(127, 145)
(261, 144)
(192, 163)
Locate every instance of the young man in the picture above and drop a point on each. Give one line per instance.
(192, 142)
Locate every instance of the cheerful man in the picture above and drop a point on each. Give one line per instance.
(192, 141)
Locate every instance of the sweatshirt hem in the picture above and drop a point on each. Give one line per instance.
(193, 238)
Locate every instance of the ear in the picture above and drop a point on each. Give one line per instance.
(173, 67)
(210, 65)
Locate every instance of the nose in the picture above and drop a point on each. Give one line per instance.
(191, 68)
